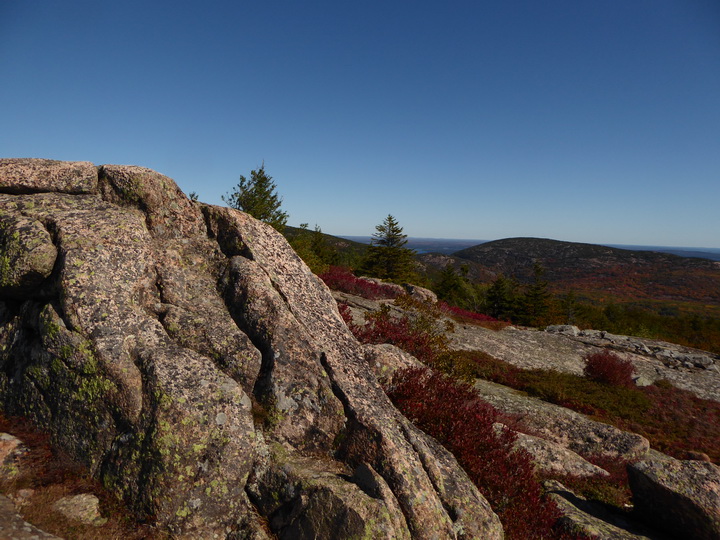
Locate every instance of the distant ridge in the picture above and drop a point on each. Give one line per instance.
(600, 270)
(448, 246)
(703, 253)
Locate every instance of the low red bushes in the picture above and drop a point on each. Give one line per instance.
(609, 368)
(452, 413)
(480, 319)
(612, 490)
(419, 336)
(342, 279)
(464, 313)
(679, 422)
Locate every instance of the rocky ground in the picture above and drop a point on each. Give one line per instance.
(562, 348)
(561, 435)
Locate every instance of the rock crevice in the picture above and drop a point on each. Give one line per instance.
(188, 356)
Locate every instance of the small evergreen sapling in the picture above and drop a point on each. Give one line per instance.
(258, 198)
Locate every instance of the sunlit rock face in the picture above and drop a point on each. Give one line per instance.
(194, 363)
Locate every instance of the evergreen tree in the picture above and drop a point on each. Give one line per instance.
(388, 258)
(500, 299)
(456, 289)
(535, 303)
(569, 308)
(302, 243)
(313, 248)
(325, 252)
(257, 197)
(449, 286)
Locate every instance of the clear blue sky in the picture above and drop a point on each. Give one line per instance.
(583, 120)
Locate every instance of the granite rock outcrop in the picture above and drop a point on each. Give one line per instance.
(191, 360)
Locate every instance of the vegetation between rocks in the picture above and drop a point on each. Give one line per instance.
(43, 474)
(342, 279)
(675, 421)
(452, 413)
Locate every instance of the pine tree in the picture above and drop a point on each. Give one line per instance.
(569, 308)
(388, 258)
(257, 197)
(535, 303)
(500, 299)
(449, 286)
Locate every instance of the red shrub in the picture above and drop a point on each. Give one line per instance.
(680, 422)
(419, 336)
(609, 368)
(613, 490)
(464, 313)
(452, 413)
(480, 319)
(342, 279)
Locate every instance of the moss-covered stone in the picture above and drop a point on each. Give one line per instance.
(27, 255)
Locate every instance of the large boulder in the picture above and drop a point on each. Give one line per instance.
(553, 458)
(28, 255)
(564, 427)
(682, 497)
(195, 364)
(593, 520)
(386, 359)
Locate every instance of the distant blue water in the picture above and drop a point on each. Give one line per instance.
(703, 253)
(447, 246)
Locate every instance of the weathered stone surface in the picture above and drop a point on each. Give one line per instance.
(394, 287)
(563, 426)
(19, 175)
(289, 313)
(688, 368)
(386, 359)
(682, 497)
(189, 357)
(10, 448)
(84, 508)
(421, 293)
(528, 349)
(532, 349)
(13, 527)
(304, 498)
(568, 329)
(553, 458)
(594, 520)
(168, 212)
(359, 307)
(28, 256)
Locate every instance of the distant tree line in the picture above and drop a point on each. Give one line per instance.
(505, 298)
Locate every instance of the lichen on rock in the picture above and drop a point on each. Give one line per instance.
(190, 358)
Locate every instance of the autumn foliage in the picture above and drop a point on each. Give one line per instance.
(452, 413)
(342, 279)
(420, 336)
(607, 367)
